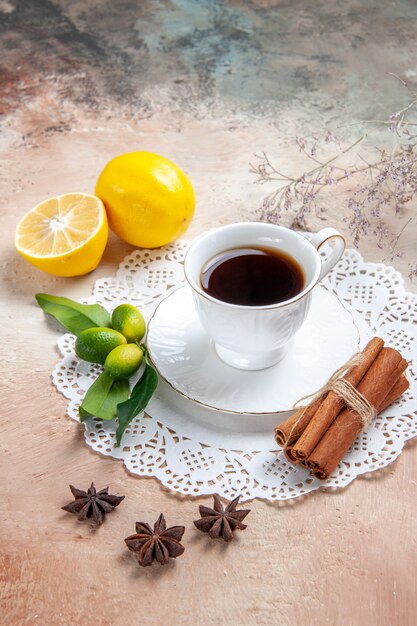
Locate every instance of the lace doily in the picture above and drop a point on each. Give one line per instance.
(195, 451)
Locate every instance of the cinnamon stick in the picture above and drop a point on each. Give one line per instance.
(332, 404)
(382, 377)
(396, 392)
(289, 456)
(290, 429)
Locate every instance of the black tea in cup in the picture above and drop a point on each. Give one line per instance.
(252, 276)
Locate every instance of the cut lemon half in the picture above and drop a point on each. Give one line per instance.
(65, 235)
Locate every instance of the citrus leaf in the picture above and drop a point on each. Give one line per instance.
(73, 316)
(141, 394)
(103, 396)
(119, 392)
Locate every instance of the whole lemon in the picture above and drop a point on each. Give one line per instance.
(94, 344)
(123, 361)
(128, 320)
(149, 200)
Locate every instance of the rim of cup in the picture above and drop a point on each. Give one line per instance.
(198, 289)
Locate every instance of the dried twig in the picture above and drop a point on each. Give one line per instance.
(386, 182)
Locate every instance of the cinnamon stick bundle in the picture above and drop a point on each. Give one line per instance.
(376, 385)
(326, 428)
(332, 404)
(396, 392)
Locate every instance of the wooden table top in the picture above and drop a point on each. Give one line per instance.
(343, 557)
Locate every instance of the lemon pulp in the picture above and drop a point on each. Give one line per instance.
(64, 235)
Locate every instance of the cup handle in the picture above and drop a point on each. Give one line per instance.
(318, 239)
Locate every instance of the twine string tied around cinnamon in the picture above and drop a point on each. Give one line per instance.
(354, 400)
(347, 392)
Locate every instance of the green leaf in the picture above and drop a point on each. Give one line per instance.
(141, 394)
(74, 316)
(103, 396)
(119, 392)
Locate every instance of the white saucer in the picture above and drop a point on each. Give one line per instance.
(186, 359)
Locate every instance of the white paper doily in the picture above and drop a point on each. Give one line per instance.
(196, 451)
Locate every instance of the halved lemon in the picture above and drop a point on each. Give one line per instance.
(65, 235)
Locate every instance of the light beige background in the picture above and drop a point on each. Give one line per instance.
(347, 557)
(208, 84)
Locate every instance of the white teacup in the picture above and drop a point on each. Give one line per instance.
(256, 337)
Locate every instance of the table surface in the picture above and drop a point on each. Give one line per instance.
(209, 85)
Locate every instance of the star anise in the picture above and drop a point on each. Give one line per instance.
(158, 544)
(92, 504)
(219, 521)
